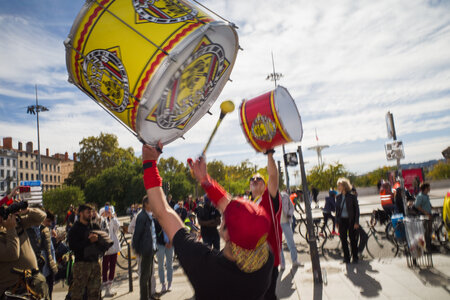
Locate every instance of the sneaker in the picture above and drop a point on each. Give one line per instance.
(169, 285)
(334, 233)
(163, 288)
(109, 292)
(297, 264)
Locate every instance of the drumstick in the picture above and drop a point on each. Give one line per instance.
(225, 107)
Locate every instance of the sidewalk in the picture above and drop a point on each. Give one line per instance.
(384, 279)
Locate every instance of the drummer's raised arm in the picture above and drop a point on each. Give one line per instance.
(272, 184)
(166, 216)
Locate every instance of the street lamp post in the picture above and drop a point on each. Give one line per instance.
(35, 109)
(274, 77)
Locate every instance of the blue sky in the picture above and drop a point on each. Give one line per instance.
(346, 63)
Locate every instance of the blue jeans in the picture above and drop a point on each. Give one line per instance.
(286, 227)
(160, 254)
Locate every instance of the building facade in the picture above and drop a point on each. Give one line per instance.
(54, 169)
(8, 168)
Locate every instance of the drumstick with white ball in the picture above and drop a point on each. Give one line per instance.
(225, 108)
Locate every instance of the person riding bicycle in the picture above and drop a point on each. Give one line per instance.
(387, 198)
(330, 206)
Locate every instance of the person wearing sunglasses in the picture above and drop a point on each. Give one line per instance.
(268, 197)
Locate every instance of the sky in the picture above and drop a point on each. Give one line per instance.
(345, 63)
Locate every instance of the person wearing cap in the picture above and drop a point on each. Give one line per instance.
(268, 197)
(242, 270)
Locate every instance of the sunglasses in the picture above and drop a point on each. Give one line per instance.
(256, 179)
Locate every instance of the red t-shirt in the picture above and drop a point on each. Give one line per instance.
(5, 200)
(274, 237)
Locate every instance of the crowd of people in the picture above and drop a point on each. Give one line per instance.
(251, 228)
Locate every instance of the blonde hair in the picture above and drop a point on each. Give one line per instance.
(345, 183)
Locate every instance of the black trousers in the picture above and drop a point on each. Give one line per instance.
(326, 216)
(270, 294)
(346, 227)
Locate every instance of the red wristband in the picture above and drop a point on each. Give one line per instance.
(214, 190)
(151, 174)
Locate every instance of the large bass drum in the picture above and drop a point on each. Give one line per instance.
(270, 120)
(156, 66)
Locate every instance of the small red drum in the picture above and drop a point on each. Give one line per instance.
(270, 120)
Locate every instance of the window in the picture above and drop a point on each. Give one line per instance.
(14, 162)
(59, 169)
(51, 178)
(26, 155)
(46, 178)
(21, 164)
(32, 165)
(59, 179)
(46, 167)
(14, 174)
(21, 176)
(7, 162)
(2, 186)
(2, 173)
(14, 184)
(7, 173)
(32, 176)
(26, 176)
(26, 165)
(2, 161)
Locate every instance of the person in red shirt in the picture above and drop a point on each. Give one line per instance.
(8, 199)
(267, 196)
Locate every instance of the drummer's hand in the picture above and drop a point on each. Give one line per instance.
(198, 168)
(356, 226)
(151, 153)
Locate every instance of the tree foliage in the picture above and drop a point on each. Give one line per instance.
(97, 154)
(440, 171)
(120, 185)
(324, 178)
(59, 200)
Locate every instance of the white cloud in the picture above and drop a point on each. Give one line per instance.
(345, 63)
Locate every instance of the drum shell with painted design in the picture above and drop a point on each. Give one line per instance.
(270, 120)
(110, 56)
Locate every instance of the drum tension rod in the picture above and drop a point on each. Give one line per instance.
(230, 23)
(140, 34)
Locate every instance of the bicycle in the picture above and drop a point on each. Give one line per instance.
(439, 231)
(376, 247)
(122, 261)
(303, 230)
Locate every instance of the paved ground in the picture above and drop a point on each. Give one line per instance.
(376, 279)
(384, 277)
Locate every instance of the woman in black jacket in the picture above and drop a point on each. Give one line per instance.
(347, 217)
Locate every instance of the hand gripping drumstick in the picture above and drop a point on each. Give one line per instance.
(225, 107)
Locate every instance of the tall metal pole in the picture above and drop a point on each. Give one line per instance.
(314, 253)
(275, 75)
(39, 142)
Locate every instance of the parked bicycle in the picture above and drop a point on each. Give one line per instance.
(122, 261)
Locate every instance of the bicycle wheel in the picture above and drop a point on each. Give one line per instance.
(122, 257)
(302, 228)
(373, 219)
(378, 246)
(390, 232)
(442, 235)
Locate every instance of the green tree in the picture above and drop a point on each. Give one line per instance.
(59, 200)
(120, 185)
(178, 176)
(325, 178)
(97, 154)
(441, 170)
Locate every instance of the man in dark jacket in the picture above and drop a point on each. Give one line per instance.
(144, 243)
(87, 268)
(347, 217)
